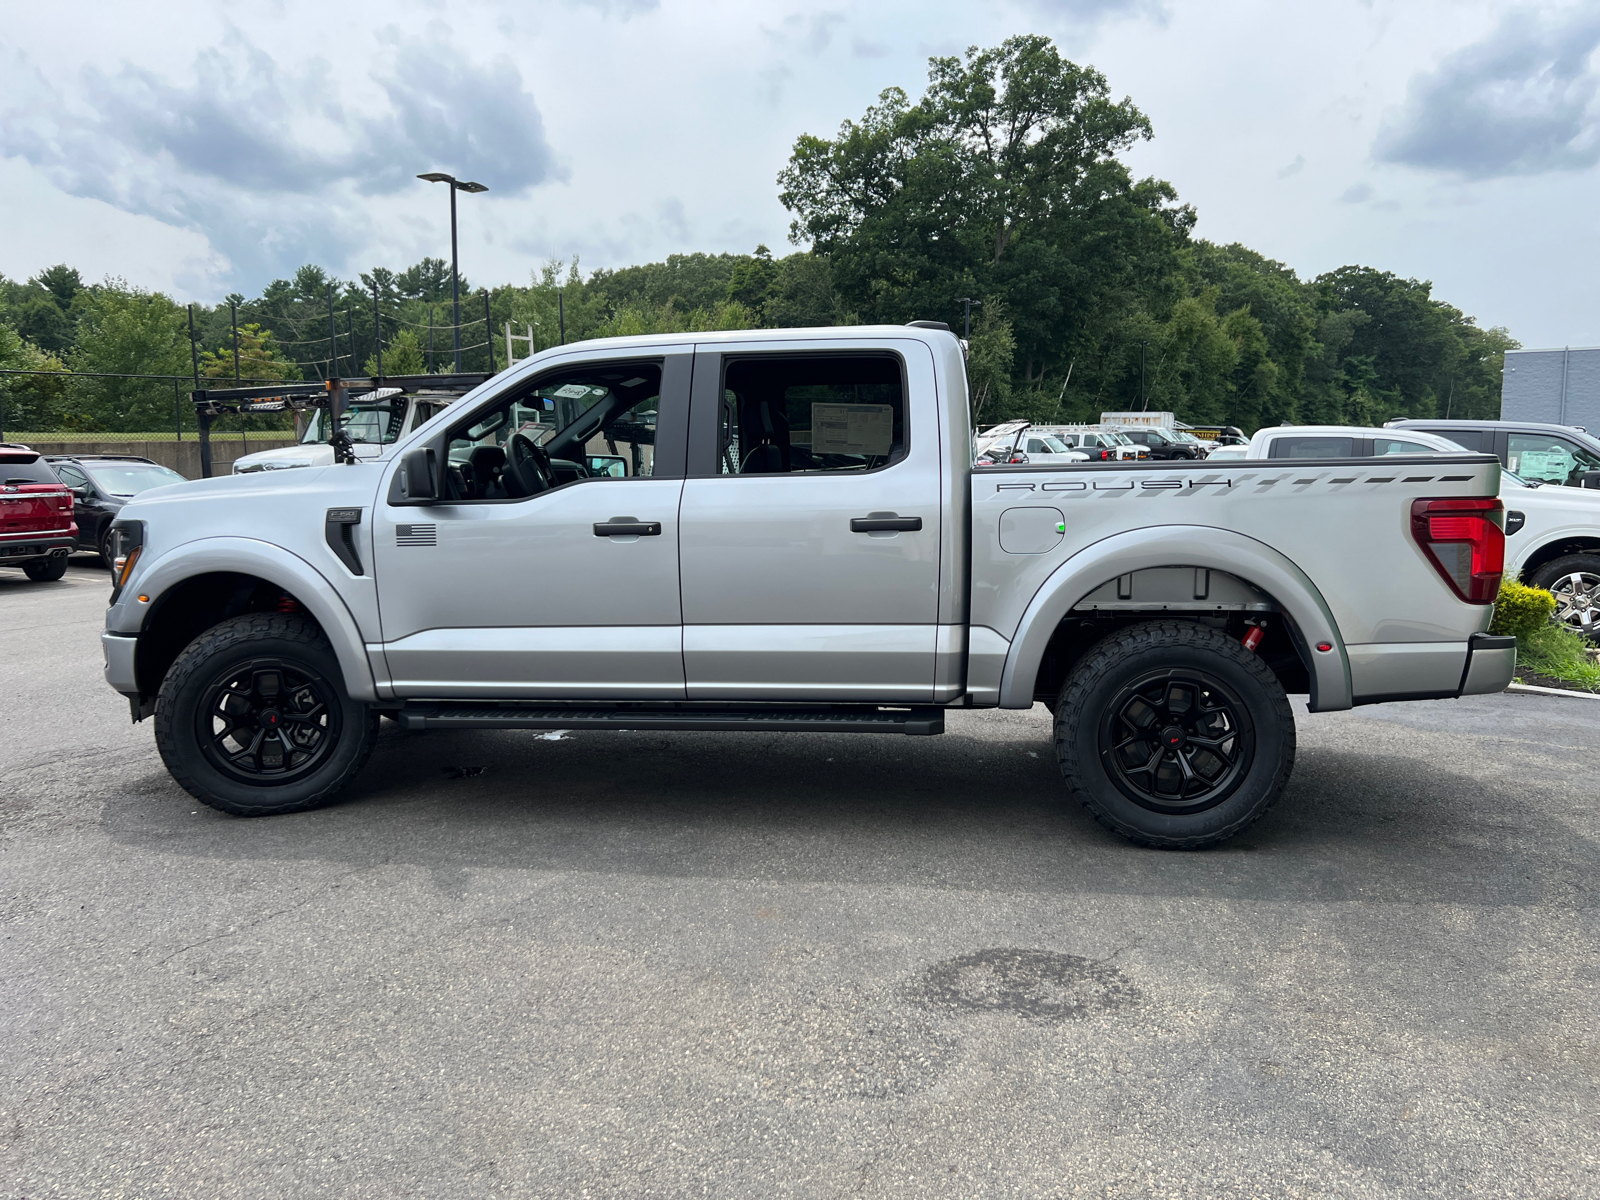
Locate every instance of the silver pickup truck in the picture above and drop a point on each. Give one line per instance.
(791, 535)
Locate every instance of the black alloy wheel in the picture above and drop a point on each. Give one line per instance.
(253, 718)
(267, 723)
(1174, 735)
(1176, 741)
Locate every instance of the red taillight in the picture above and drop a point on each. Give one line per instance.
(1105, 455)
(1465, 540)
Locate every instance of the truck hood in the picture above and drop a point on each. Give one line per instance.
(306, 454)
(233, 504)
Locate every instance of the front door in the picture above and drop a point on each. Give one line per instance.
(536, 576)
(810, 526)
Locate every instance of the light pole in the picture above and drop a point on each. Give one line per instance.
(456, 185)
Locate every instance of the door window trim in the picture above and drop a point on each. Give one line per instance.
(705, 401)
(676, 364)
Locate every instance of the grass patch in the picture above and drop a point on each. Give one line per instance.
(1559, 654)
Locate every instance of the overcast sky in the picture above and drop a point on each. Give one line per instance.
(207, 147)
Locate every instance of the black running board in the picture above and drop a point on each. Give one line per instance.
(919, 720)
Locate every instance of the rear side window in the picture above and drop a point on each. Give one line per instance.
(18, 471)
(1401, 446)
(1313, 447)
(1467, 439)
(811, 413)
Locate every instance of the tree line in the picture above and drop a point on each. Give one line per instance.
(999, 193)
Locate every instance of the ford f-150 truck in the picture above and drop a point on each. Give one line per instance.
(807, 547)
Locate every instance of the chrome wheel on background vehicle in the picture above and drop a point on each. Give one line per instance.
(1575, 583)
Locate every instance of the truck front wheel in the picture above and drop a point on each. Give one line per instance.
(1174, 735)
(253, 718)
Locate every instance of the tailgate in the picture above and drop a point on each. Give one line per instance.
(35, 508)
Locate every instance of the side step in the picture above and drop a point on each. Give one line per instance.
(917, 720)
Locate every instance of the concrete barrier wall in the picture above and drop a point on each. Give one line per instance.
(183, 457)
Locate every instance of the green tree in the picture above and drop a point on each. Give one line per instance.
(128, 331)
(1002, 180)
(258, 357)
(403, 355)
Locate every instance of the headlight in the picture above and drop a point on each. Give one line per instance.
(127, 543)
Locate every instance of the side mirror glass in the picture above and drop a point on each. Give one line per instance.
(421, 474)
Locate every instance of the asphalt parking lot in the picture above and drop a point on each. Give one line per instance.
(618, 965)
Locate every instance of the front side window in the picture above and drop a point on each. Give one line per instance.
(1549, 458)
(1313, 447)
(588, 422)
(71, 476)
(811, 413)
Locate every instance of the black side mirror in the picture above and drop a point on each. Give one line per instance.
(85, 492)
(1591, 479)
(420, 474)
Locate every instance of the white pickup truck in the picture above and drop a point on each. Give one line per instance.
(797, 541)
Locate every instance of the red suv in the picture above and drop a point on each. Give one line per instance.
(37, 531)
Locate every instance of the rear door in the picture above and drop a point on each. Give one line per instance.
(810, 528)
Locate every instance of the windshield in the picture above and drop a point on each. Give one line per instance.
(129, 479)
(1180, 435)
(367, 424)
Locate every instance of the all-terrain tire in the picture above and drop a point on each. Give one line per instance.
(274, 669)
(1574, 580)
(1201, 695)
(46, 570)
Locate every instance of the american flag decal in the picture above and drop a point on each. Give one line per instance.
(416, 535)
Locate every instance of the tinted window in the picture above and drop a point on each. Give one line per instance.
(811, 413)
(19, 471)
(1313, 447)
(129, 479)
(1384, 445)
(1547, 457)
(1467, 439)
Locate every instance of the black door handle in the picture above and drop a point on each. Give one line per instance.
(627, 527)
(885, 524)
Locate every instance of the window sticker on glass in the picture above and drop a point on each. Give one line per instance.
(1554, 464)
(866, 429)
(576, 391)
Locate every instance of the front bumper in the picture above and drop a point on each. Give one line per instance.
(120, 650)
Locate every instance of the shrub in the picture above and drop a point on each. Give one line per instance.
(1521, 611)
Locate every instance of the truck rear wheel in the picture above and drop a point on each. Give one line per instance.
(1174, 735)
(253, 718)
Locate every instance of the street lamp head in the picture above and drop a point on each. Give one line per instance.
(437, 177)
(472, 187)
